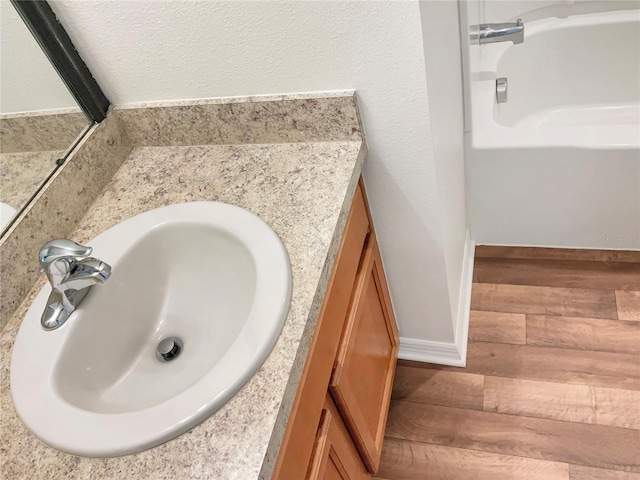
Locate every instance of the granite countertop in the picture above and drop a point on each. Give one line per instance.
(303, 191)
(21, 173)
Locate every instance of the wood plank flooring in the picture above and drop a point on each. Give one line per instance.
(551, 390)
(562, 254)
(628, 305)
(536, 300)
(552, 273)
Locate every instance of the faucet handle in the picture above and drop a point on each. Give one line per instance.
(61, 247)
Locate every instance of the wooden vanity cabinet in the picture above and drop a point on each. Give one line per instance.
(362, 377)
(338, 416)
(334, 455)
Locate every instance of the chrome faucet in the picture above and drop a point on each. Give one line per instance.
(497, 32)
(71, 273)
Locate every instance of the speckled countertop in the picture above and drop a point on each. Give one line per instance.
(303, 191)
(22, 172)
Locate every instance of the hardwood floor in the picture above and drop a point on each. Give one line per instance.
(551, 390)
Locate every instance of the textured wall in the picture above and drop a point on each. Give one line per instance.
(146, 51)
(28, 82)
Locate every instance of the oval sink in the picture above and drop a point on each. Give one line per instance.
(197, 297)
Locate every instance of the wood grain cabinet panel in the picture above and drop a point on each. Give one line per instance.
(335, 456)
(351, 362)
(362, 380)
(300, 433)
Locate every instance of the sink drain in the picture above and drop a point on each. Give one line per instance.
(169, 349)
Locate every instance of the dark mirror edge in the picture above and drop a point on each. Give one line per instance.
(57, 46)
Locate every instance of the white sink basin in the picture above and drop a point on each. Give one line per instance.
(213, 275)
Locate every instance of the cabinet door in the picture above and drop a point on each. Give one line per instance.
(334, 456)
(365, 365)
(299, 436)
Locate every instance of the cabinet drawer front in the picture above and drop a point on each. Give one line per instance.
(362, 380)
(297, 444)
(334, 455)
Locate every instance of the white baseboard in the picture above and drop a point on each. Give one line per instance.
(464, 303)
(427, 351)
(443, 353)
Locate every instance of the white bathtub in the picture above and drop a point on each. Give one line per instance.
(558, 164)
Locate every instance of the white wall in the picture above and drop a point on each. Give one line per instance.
(441, 43)
(28, 82)
(146, 51)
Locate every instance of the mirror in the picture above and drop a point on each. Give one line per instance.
(33, 98)
(39, 119)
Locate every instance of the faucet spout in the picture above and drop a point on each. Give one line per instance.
(497, 32)
(71, 275)
(85, 273)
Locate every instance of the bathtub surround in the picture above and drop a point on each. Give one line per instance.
(531, 10)
(302, 189)
(558, 164)
(569, 198)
